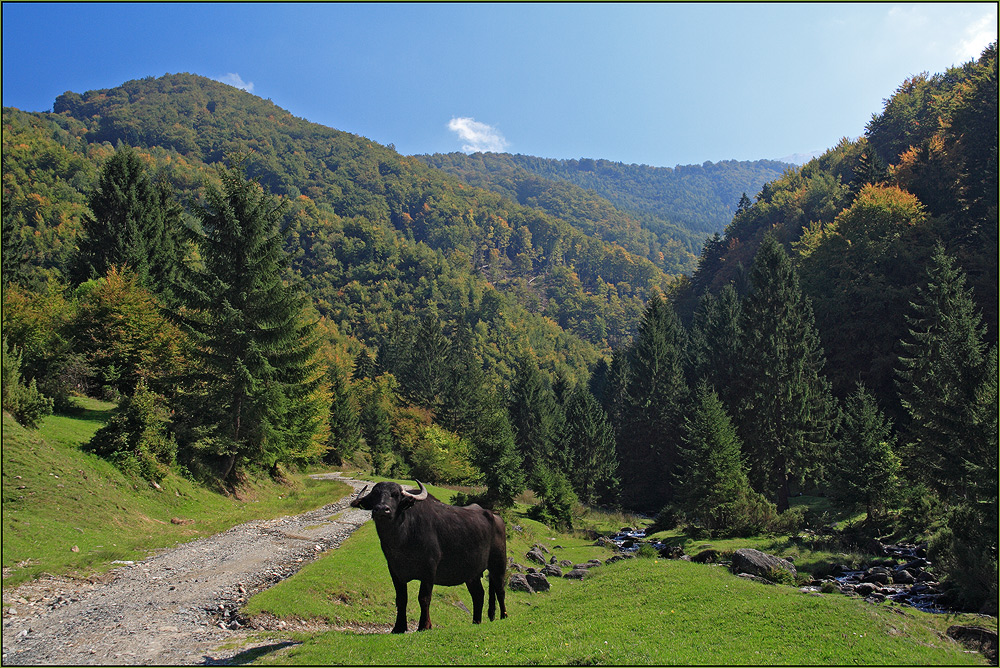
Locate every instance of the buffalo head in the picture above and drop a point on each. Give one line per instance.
(388, 499)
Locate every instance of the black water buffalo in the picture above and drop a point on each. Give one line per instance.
(427, 540)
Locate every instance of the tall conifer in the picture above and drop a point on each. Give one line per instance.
(133, 221)
(655, 394)
(865, 466)
(941, 379)
(258, 356)
(588, 451)
(712, 486)
(785, 408)
(345, 426)
(535, 416)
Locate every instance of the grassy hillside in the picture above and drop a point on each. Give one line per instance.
(645, 611)
(70, 512)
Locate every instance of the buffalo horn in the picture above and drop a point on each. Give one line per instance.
(354, 503)
(417, 497)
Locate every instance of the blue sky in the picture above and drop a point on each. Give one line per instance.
(657, 84)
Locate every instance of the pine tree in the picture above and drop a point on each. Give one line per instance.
(535, 416)
(784, 411)
(376, 427)
(13, 249)
(133, 222)
(865, 466)
(425, 372)
(714, 342)
(655, 393)
(345, 426)
(364, 365)
(495, 454)
(713, 481)
(941, 379)
(258, 357)
(465, 387)
(588, 452)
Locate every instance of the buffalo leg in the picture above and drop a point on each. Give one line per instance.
(400, 586)
(497, 594)
(424, 598)
(475, 586)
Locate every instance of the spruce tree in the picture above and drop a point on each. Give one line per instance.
(865, 466)
(535, 416)
(714, 342)
(133, 221)
(345, 426)
(376, 427)
(465, 392)
(495, 454)
(587, 453)
(258, 356)
(655, 394)
(712, 487)
(948, 385)
(941, 374)
(785, 409)
(425, 372)
(364, 365)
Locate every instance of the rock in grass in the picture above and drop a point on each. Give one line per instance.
(519, 582)
(755, 562)
(538, 582)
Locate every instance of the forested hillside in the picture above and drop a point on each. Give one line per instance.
(672, 206)
(258, 291)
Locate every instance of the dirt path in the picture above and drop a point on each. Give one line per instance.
(175, 608)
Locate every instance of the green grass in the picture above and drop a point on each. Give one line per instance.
(68, 512)
(636, 612)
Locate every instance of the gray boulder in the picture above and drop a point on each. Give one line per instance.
(519, 582)
(903, 577)
(566, 563)
(535, 555)
(553, 570)
(877, 575)
(538, 582)
(577, 574)
(755, 562)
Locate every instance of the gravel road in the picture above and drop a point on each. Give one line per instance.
(175, 608)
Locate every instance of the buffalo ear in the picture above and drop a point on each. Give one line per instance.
(365, 502)
(406, 502)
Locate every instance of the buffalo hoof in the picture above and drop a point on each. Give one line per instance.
(399, 629)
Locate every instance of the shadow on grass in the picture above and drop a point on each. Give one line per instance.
(248, 656)
(88, 412)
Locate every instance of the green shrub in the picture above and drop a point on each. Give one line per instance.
(24, 402)
(136, 439)
(647, 551)
(965, 551)
(829, 587)
(779, 575)
(557, 498)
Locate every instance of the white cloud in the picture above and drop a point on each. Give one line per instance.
(236, 81)
(478, 137)
(977, 37)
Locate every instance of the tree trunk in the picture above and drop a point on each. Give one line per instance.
(229, 466)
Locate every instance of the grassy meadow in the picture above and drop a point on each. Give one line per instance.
(69, 512)
(644, 611)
